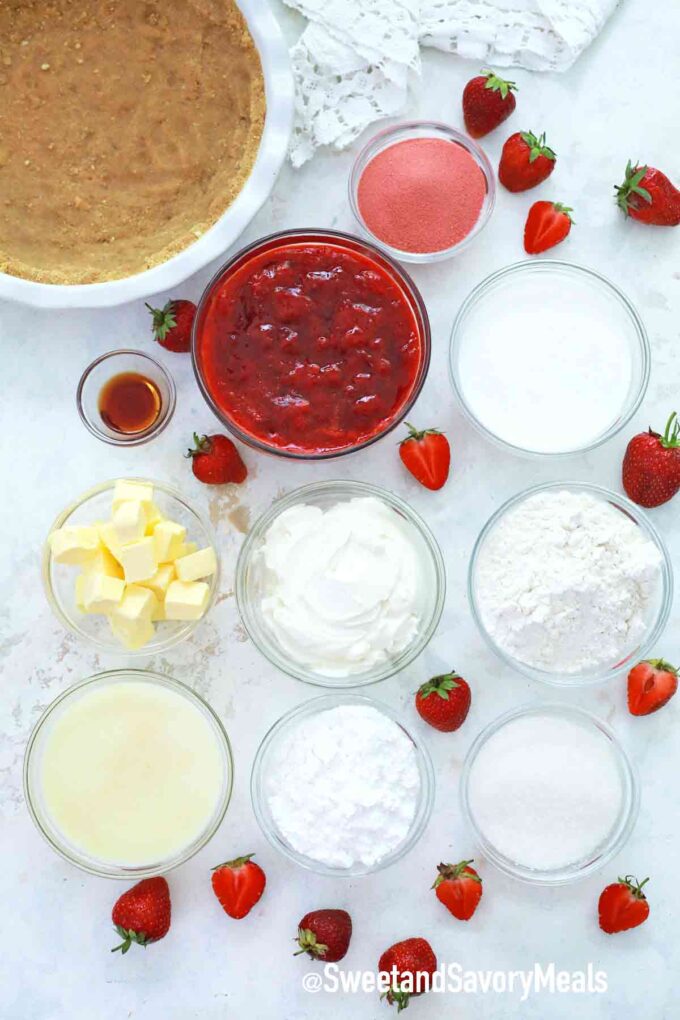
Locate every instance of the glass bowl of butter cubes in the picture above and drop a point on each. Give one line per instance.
(131, 566)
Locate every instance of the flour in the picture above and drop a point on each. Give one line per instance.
(343, 786)
(546, 791)
(565, 582)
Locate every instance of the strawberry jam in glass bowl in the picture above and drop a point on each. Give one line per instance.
(311, 344)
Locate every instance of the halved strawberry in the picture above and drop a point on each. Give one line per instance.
(651, 685)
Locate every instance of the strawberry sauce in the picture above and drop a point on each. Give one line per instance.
(310, 346)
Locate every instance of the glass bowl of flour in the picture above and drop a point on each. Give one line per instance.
(548, 358)
(570, 583)
(341, 786)
(340, 584)
(549, 793)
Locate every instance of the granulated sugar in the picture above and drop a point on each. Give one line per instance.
(546, 791)
(422, 194)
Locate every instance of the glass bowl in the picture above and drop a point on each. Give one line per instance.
(261, 766)
(251, 580)
(59, 579)
(658, 615)
(338, 240)
(422, 129)
(32, 770)
(101, 371)
(499, 290)
(617, 837)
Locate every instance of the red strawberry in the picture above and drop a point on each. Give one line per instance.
(142, 914)
(238, 885)
(651, 684)
(487, 102)
(623, 905)
(216, 461)
(410, 965)
(648, 196)
(444, 701)
(459, 888)
(651, 465)
(324, 935)
(427, 455)
(525, 161)
(172, 325)
(547, 224)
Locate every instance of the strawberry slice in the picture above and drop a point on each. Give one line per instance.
(623, 905)
(459, 888)
(427, 455)
(651, 685)
(547, 224)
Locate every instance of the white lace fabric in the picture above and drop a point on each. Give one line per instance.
(354, 59)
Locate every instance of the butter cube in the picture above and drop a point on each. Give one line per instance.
(99, 593)
(125, 489)
(80, 602)
(138, 560)
(103, 562)
(133, 636)
(168, 538)
(137, 604)
(186, 600)
(109, 538)
(129, 521)
(153, 517)
(74, 544)
(186, 549)
(161, 579)
(196, 565)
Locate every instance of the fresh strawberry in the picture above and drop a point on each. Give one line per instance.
(444, 701)
(648, 196)
(238, 885)
(487, 102)
(410, 965)
(623, 905)
(216, 461)
(651, 465)
(324, 935)
(651, 684)
(547, 224)
(427, 455)
(172, 325)
(142, 914)
(459, 888)
(525, 161)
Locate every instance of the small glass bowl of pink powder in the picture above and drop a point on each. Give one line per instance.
(422, 190)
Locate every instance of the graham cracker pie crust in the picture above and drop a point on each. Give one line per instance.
(127, 127)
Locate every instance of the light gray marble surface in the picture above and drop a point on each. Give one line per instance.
(617, 102)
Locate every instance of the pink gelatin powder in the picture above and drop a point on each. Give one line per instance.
(422, 194)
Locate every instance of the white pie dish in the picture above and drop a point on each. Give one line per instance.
(279, 89)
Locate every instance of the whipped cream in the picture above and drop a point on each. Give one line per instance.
(342, 586)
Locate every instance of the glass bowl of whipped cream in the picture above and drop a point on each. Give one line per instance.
(340, 584)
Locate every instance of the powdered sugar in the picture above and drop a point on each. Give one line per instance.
(546, 791)
(565, 582)
(343, 786)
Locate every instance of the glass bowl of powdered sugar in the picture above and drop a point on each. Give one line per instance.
(549, 793)
(570, 583)
(341, 786)
(548, 359)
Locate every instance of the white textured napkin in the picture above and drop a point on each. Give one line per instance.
(353, 61)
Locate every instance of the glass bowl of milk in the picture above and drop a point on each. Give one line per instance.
(128, 774)
(548, 358)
